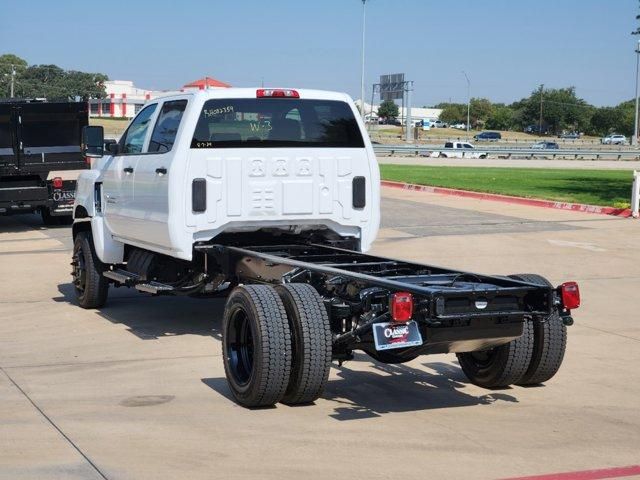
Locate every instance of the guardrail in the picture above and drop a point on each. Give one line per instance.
(506, 152)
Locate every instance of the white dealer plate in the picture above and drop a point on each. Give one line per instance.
(396, 335)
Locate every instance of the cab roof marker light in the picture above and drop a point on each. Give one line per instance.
(276, 93)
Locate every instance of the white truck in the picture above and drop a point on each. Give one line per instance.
(458, 150)
(269, 198)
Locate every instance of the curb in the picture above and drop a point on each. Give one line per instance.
(532, 202)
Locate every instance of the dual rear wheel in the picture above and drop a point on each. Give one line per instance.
(276, 344)
(533, 358)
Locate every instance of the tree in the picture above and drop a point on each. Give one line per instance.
(388, 109)
(453, 112)
(502, 118)
(49, 81)
(605, 120)
(481, 110)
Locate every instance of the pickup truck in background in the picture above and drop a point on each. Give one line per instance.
(40, 157)
(458, 150)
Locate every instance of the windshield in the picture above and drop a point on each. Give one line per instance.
(276, 122)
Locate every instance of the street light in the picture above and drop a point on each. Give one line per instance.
(364, 4)
(468, 99)
(634, 137)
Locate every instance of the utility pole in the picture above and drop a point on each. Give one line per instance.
(364, 11)
(13, 79)
(634, 137)
(541, 95)
(468, 100)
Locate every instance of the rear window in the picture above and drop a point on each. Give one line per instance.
(275, 123)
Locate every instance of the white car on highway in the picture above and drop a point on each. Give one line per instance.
(458, 150)
(614, 140)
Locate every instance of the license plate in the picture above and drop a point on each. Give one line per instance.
(396, 335)
(64, 196)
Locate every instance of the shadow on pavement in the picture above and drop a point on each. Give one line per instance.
(151, 318)
(401, 388)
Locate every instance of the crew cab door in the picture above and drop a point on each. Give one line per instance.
(119, 174)
(150, 204)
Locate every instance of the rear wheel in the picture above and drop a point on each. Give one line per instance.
(90, 285)
(500, 366)
(256, 343)
(550, 341)
(310, 342)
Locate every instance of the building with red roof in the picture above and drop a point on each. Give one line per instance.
(207, 82)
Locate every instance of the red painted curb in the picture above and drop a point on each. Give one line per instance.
(616, 472)
(532, 202)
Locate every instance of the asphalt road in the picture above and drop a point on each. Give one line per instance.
(136, 390)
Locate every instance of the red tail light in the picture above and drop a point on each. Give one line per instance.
(57, 182)
(401, 306)
(570, 295)
(276, 93)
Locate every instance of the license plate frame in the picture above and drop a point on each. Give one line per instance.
(392, 335)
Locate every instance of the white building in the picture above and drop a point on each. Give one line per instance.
(124, 99)
(417, 114)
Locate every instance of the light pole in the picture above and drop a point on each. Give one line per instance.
(364, 11)
(468, 99)
(634, 137)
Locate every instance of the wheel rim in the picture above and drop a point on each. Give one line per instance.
(483, 359)
(240, 346)
(79, 271)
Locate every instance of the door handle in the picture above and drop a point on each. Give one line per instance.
(128, 169)
(161, 171)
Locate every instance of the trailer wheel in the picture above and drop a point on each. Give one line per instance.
(256, 345)
(310, 341)
(90, 285)
(500, 366)
(550, 341)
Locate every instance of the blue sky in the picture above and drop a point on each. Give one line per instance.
(507, 47)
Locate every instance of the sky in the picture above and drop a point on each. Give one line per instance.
(506, 47)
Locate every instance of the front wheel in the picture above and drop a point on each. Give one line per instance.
(90, 285)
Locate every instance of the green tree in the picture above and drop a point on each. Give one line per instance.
(49, 81)
(388, 109)
(605, 120)
(481, 110)
(502, 118)
(453, 112)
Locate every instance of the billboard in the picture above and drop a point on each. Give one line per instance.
(391, 86)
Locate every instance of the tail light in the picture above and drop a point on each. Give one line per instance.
(276, 93)
(401, 306)
(570, 295)
(57, 182)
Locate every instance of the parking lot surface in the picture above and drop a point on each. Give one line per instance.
(136, 390)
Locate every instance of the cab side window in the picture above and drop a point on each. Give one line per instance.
(133, 139)
(166, 129)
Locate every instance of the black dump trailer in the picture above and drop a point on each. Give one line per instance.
(40, 157)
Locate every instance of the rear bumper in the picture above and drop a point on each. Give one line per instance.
(26, 199)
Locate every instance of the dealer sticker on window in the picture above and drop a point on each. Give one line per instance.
(396, 335)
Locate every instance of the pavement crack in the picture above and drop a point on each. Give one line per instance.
(53, 424)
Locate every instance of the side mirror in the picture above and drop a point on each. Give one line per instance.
(93, 141)
(111, 146)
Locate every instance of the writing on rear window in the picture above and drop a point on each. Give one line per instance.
(276, 123)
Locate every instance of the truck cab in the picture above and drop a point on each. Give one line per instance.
(191, 166)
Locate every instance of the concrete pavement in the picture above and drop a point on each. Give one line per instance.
(137, 389)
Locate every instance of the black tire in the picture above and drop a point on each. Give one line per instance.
(90, 285)
(256, 346)
(442, 155)
(48, 219)
(310, 342)
(501, 366)
(550, 341)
